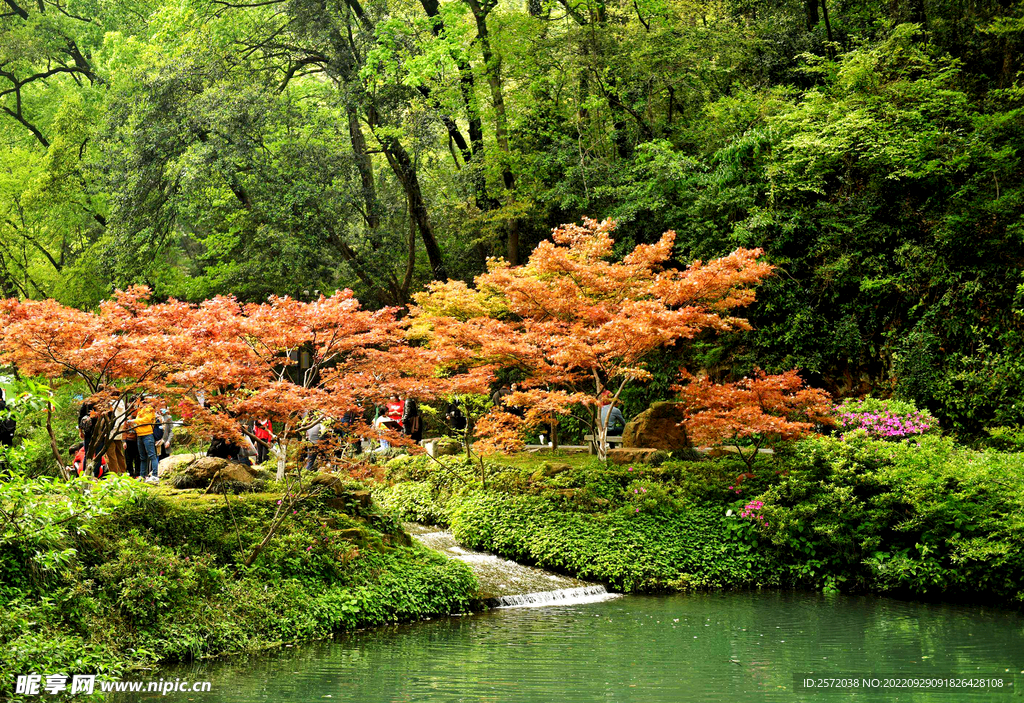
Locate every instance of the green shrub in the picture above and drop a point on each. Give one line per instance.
(143, 580)
(630, 548)
(416, 502)
(921, 517)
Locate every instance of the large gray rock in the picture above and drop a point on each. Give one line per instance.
(657, 427)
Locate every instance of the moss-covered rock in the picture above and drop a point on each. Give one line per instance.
(658, 427)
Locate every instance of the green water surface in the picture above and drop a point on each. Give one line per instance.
(735, 647)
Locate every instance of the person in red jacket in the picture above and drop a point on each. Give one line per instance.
(263, 430)
(78, 462)
(395, 410)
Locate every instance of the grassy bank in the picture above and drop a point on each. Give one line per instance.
(126, 576)
(921, 519)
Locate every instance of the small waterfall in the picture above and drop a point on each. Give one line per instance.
(563, 596)
(509, 584)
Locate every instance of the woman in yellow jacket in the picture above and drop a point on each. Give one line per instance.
(143, 423)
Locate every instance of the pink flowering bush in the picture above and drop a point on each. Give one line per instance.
(884, 419)
(752, 511)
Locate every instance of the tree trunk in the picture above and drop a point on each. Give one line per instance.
(602, 436)
(401, 163)
(492, 70)
(828, 25)
(811, 10)
(281, 454)
(365, 167)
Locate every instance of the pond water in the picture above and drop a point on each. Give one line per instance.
(734, 647)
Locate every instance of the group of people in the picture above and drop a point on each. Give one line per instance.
(126, 439)
(400, 416)
(133, 439)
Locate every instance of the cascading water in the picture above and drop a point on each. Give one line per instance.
(508, 584)
(584, 594)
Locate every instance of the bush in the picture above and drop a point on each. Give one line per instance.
(119, 576)
(1005, 439)
(921, 518)
(632, 548)
(417, 502)
(884, 419)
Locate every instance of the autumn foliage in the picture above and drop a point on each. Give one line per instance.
(576, 324)
(221, 363)
(747, 413)
(573, 322)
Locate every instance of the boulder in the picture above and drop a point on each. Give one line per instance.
(657, 427)
(549, 469)
(347, 500)
(553, 468)
(633, 456)
(200, 471)
(175, 461)
(329, 481)
(353, 534)
(442, 446)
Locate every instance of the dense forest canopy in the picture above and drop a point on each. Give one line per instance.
(251, 147)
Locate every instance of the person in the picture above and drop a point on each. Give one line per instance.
(381, 419)
(166, 425)
(412, 421)
(144, 423)
(612, 418)
(313, 438)
(456, 419)
(263, 430)
(395, 409)
(115, 447)
(498, 398)
(132, 458)
(88, 425)
(77, 453)
(225, 449)
(8, 425)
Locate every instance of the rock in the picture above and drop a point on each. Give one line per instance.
(447, 446)
(360, 500)
(329, 481)
(353, 534)
(657, 427)
(175, 461)
(199, 472)
(363, 498)
(551, 468)
(632, 456)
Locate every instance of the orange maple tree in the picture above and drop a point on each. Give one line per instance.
(243, 365)
(746, 413)
(575, 323)
(222, 363)
(116, 351)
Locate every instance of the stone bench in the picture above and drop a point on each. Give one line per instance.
(610, 440)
